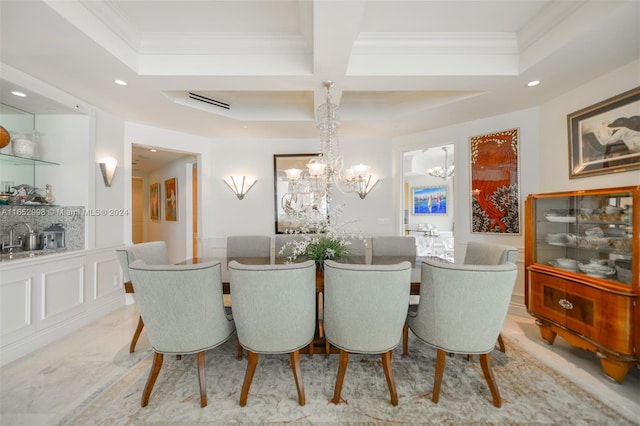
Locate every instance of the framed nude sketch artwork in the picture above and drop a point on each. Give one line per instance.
(605, 137)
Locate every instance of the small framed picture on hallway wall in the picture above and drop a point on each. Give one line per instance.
(154, 201)
(171, 199)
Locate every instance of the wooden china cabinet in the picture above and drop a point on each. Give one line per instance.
(582, 256)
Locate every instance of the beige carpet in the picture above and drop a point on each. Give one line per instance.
(532, 393)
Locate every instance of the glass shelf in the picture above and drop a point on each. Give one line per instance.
(21, 161)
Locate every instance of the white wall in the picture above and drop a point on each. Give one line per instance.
(528, 124)
(109, 227)
(554, 148)
(255, 214)
(222, 214)
(66, 140)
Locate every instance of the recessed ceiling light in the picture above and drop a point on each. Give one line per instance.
(153, 150)
(533, 83)
(22, 95)
(121, 82)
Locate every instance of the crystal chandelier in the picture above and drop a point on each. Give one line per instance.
(310, 190)
(445, 172)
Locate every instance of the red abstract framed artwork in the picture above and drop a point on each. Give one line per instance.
(495, 188)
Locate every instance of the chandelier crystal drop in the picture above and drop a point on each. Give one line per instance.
(309, 190)
(445, 172)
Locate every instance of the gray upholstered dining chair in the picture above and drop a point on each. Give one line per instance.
(483, 253)
(274, 310)
(248, 246)
(462, 309)
(392, 247)
(243, 246)
(365, 307)
(155, 253)
(478, 253)
(356, 250)
(356, 254)
(183, 312)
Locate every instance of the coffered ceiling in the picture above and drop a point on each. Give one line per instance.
(399, 66)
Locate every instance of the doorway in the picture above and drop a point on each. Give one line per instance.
(153, 171)
(137, 210)
(428, 201)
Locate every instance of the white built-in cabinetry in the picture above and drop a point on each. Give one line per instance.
(46, 297)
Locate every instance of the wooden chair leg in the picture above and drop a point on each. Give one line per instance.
(485, 362)
(388, 373)
(327, 345)
(501, 343)
(297, 375)
(151, 380)
(201, 380)
(342, 369)
(405, 339)
(136, 335)
(248, 376)
(239, 354)
(440, 361)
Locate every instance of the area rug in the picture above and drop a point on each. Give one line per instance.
(531, 392)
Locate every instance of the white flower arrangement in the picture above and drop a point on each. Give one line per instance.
(322, 239)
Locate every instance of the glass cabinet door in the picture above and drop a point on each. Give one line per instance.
(586, 234)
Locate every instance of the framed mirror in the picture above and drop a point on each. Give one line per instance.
(290, 203)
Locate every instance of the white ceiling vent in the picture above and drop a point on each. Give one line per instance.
(210, 101)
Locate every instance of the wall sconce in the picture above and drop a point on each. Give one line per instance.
(244, 187)
(108, 169)
(366, 186)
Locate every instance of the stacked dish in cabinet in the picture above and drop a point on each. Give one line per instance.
(598, 241)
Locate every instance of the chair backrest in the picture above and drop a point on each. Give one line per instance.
(365, 306)
(125, 257)
(357, 250)
(281, 240)
(481, 253)
(462, 307)
(181, 306)
(274, 306)
(153, 253)
(248, 246)
(398, 247)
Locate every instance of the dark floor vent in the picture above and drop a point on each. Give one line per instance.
(214, 102)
